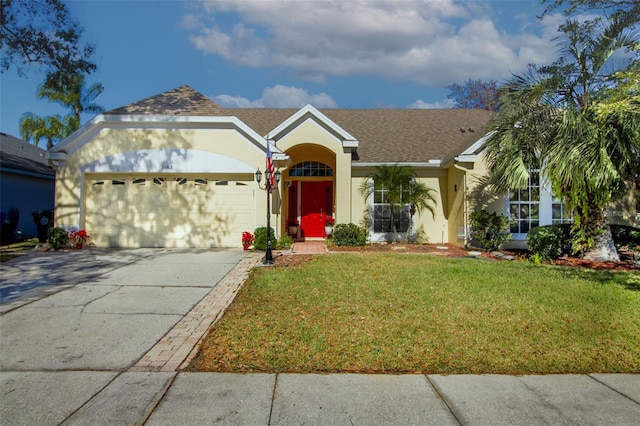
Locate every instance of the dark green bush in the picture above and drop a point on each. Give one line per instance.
(349, 234)
(489, 230)
(58, 238)
(549, 242)
(260, 240)
(625, 236)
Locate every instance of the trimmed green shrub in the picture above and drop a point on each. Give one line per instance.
(58, 238)
(549, 242)
(260, 240)
(349, 234)
(625, 236)
(489, 230)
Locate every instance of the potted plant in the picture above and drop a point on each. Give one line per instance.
(247, 240)
(77, 239)
(328, 226)
(293, 228)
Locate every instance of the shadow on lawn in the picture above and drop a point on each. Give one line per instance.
(628, 280)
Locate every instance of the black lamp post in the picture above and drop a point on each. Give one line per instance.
(268, 257)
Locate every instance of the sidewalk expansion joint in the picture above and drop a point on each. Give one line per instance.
(615, 390)
(440, 394)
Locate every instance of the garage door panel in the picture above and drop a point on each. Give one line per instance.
(165, 212)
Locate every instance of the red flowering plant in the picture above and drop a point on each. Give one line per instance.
(247, 239)
(329, 221)
(77, 239)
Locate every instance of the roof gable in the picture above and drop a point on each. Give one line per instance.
(310, 113)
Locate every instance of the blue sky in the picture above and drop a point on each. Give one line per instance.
(332, 54)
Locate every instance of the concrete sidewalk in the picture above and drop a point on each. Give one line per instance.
(109, 398)
(105, 344)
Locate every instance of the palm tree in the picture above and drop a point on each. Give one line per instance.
(34, 128)
(70, 91)
(549, 120)
(401, 189)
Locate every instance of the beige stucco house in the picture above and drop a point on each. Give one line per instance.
(178, 170)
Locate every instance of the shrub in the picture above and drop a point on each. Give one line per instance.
(260, 239)
(625, 236)
(285, 242)
(489, 230)
(549, 242)
(58, 238)
(349, 234)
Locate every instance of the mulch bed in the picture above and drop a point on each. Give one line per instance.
(287, 259)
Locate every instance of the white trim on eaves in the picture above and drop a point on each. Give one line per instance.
(88, 131)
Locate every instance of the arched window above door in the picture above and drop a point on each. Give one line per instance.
(310, 168)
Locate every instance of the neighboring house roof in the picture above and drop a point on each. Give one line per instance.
(19, 156)
(384, 135)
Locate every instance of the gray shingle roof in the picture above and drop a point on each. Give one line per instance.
(20, 155)
(384, 135)
(391, 135)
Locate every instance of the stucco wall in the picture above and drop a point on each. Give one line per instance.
(311, 142)
(225, 143)
(430, 228)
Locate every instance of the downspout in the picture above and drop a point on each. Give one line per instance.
(464, 201)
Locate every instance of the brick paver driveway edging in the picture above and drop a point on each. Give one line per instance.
(180, 345)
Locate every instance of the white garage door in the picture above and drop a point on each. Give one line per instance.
(162, 211)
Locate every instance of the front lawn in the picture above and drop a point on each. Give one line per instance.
(390, 313)
(11, 251)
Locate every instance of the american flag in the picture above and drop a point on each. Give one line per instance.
(270, 169)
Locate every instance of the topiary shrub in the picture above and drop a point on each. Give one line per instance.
(260, 239)
(489, 230)
(549, 242)
(58, 238)
(349, 234)
(625, 237)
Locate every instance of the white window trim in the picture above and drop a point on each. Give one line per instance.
(545, 212)
(382, 237)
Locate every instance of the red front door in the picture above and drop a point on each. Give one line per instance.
(316, 204)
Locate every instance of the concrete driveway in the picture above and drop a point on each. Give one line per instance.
(108, 308)
(72, 322)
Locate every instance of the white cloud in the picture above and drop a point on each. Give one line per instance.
(447, 103)
(429, 42)
(278, 97)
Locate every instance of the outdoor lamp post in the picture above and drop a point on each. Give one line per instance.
(268, 257)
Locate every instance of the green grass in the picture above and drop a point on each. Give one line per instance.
(382, 312)
(11, 251)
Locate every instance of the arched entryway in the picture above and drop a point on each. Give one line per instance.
(310, 198)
